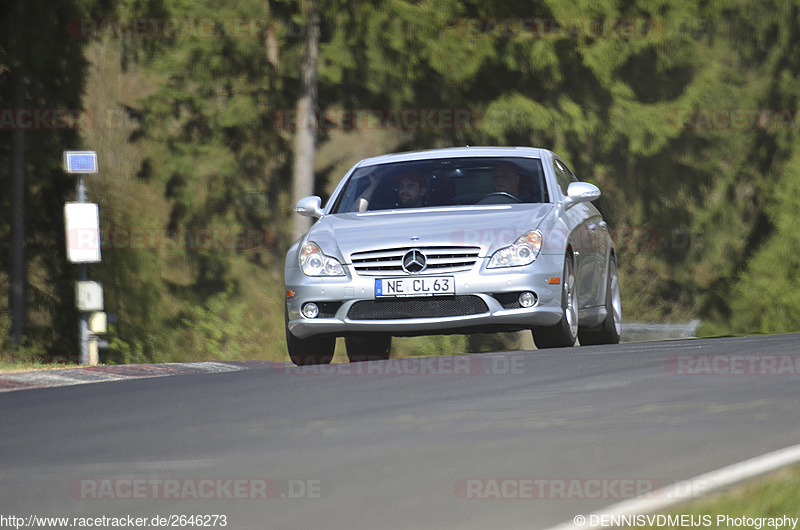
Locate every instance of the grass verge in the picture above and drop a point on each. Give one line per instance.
(11, 365)
(746, 506)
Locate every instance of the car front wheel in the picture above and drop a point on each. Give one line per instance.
(565, 332)
(314, 350)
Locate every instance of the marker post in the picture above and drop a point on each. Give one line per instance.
(82, 222)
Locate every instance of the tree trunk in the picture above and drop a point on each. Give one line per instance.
(271, 41)
(17, 294)
(305, 137)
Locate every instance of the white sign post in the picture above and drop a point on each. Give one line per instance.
(82, 222)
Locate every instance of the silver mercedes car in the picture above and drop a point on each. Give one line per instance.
(461, 240)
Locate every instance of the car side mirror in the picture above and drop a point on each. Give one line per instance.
(309, 206)
(581, 192)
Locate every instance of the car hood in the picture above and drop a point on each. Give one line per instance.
(488, 227)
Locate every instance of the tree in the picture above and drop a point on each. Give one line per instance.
(215, 156)
(305, 136)
(753, 288)
(224, 129)
(42, 73)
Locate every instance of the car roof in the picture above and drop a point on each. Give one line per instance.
(454, 152)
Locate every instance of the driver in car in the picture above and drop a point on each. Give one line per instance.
(506, 178)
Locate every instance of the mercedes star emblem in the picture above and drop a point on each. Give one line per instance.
(414, 261)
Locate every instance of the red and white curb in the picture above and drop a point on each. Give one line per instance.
(102, 374)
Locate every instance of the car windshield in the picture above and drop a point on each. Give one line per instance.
(444, 182)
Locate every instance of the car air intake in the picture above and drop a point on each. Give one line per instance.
(405, 308)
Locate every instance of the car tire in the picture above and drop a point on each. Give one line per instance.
(609, 331)
(372, 348)
(563, 334)
(314, 350)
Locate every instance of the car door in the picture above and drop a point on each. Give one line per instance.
(585, 219)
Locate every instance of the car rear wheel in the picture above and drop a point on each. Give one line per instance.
(314, 350)
(609, 330)
(565, 332)
(372, 348)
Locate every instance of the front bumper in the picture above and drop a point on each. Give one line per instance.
(495, 287)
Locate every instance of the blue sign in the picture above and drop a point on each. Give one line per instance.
(80, 161)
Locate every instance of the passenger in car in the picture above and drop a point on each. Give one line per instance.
(410, 189)
(410, 192)
(361, 204)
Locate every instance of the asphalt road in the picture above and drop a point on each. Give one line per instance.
(570, 431)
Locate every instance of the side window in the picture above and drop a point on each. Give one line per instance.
(562, 176)
(570, 174)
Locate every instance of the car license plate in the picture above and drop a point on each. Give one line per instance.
(428, 286)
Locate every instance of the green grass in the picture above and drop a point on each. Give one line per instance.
(774, 495)
(13, 364)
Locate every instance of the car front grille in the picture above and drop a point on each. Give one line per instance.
(405, 308)
(440, 260)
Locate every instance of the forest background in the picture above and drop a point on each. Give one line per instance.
(683, 113)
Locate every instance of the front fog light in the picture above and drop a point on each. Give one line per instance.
(310, 310)
(527, 299)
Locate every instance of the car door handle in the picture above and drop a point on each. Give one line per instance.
(603, 225)
(592, 227)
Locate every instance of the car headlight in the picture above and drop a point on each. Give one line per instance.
(314, 263)
(524, 251)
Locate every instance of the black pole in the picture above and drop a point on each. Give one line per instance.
(17, 294)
